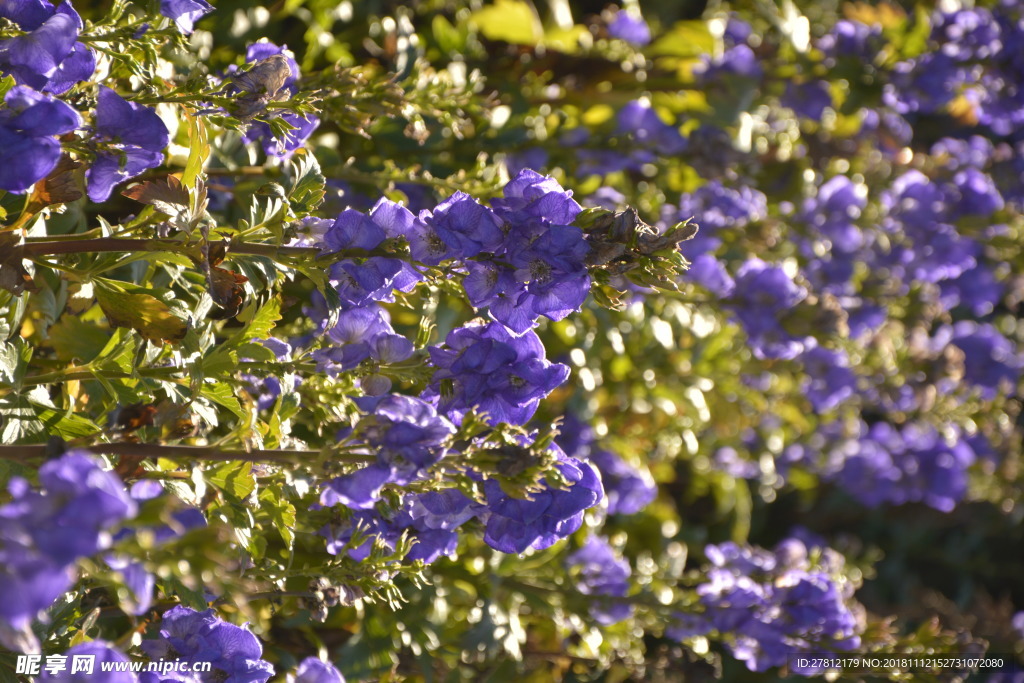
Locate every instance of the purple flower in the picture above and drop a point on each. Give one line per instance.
(27, 129)
(716, 209)
(43, 533)
(133, 138)
(513, 524)
(763, 294)
(627, 489)
(48, 57)
(829, 379)
(465, 226)
(809, 100)
(991, 361)
(407, 436)
(708, 272)
(102, 654)
(833, 210)
(630, 28)
(602, 573)
(485, 367)
(312, 670)
(738, 61)
(914, 464)
(185, 13)
(772, 605)
(642, 123)
(191, 636)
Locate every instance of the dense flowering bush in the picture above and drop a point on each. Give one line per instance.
(490, 340)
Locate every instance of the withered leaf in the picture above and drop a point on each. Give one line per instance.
(227, 291)
(61, 186)
(167, 196)
(132, 417)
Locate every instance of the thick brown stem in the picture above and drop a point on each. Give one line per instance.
(129, 245)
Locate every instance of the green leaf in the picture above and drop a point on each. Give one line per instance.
(198, 151)
(19, 422)
(685, 39)
(119, 352)
(6, 83)
(77, 340)
(66, 425)
(513, 21)
(139, 309)
(224, 395)
(281, 512)
(309, 186)
(234, 478)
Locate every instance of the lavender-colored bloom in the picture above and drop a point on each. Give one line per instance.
(639, 120)
(185, 13)
(809, 100)
(978, 193)
(708, 272)
(829, 379)
(976, 289)
(27, 129)
(773, 605)
(925, 84)
(139, 582)
(191, 636)
(627, 489)
(465, 226)
(134, 139)
(967, 34)
(49, 57)
(717, 208)
(852, 39)
(886, 465)
(513, 525)
(630, 28)
(43, 533)
(602, 573)
(991, 361)
(103, 654)
(485, 367)
(407, 436)
(764, 293)
(531, 195)
(312, 670)
(833, 210)
(738, 61)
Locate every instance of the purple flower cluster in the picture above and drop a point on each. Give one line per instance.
(629, 27)
(534, 263)
(190, 636)
(599, 572)
(511, 525)
(770, 605)
(763, 294)
(42, 533)
(49, 56)
(883, 464)
(407, 436)
(28, 127)
(485, 367)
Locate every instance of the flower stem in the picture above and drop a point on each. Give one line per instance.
(211, 453)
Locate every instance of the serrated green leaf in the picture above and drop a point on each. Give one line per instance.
(309, 186)
(282, 514)
(234, 478)
(224, 395)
